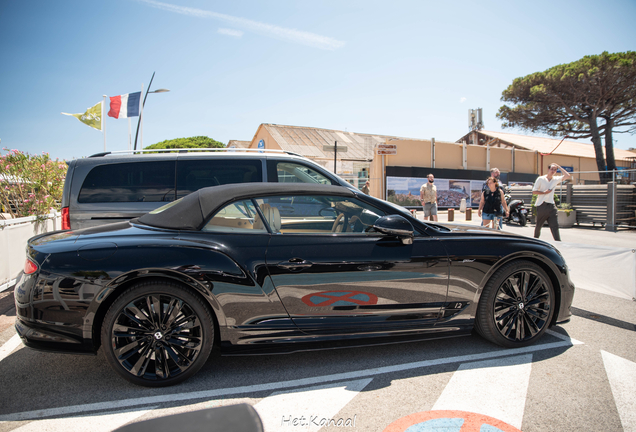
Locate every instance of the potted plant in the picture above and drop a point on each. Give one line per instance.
(567, 215)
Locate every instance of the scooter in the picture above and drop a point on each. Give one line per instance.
(518, 211)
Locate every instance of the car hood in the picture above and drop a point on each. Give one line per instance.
(450, 229)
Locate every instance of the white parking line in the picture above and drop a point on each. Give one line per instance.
(309, 409)
(563, 337)
(496, 388)
(621, 374)
(9, 346)
(210, 394)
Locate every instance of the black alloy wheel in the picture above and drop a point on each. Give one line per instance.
(516, 305)
(157, 334)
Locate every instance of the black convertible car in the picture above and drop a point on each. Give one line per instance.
(261, 267)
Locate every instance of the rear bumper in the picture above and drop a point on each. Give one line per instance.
(50, 339)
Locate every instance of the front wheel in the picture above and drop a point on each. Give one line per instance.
(157, 334)
(516, 305)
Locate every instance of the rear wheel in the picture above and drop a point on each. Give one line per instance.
(157, 334)
(522, 219)
(516, 305)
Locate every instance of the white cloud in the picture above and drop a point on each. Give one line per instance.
(290, 35)
(462, 100)
(230, 32)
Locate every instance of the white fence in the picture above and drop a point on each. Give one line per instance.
(14, 234)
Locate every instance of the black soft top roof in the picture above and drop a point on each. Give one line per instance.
(191, 212)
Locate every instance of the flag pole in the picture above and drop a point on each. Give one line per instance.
(141, 119)
(129, 136)
(142, 107)
(104, 121)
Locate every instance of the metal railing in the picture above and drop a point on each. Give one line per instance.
(611, 205)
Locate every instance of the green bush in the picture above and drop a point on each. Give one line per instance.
(566, 207)
(30, 185)
(183, 143)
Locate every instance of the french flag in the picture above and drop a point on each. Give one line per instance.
(126, 105)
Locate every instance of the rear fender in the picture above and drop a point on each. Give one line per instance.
(205, 269)
(94, 318)
(515, 203)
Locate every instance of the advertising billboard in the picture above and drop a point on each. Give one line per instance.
(405, 191)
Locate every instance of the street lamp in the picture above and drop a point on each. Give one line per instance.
(144, 104)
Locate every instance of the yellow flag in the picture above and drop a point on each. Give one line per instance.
(92, 116)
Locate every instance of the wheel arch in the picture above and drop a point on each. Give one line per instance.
(111, 293)
(546, 265)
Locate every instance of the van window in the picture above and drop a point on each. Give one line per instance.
(129, 182)
(193, 175)
(290, 172)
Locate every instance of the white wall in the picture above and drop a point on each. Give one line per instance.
(14, 234)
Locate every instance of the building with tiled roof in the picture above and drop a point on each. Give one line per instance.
(310, 142)
(552, 146)
(520, 158)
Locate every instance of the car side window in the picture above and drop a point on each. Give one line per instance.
(291, 172)
(328, 215)
(129, 182)
(237, 217)
(193, 175)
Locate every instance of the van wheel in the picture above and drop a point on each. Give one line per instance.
(516, 305)
(157, 334)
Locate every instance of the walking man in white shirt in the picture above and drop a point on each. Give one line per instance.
(544, 188)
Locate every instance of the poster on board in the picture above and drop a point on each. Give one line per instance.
(405, 191)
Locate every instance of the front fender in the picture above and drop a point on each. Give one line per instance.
(553, 263)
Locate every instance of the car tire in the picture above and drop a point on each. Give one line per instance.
(157, 350)
(516, 305)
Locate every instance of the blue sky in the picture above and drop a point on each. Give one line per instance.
(404, 68)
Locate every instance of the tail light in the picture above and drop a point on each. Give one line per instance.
(66, 219)
(30, 267)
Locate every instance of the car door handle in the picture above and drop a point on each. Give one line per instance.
(295, 264)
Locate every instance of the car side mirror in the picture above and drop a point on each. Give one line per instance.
(395, 225)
